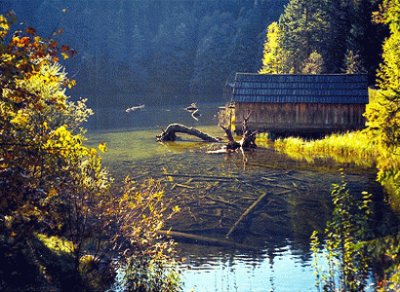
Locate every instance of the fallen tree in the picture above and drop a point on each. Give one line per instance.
(247, 142)
(200, 239)
(170, 133)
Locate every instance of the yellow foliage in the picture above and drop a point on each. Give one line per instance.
(176, 209)
(65, 55)
(351, 147)
(52, 192)
(4, 27)
(7, 58)
(102, 147)
(274, 55)
(21, 119)
(55, 243)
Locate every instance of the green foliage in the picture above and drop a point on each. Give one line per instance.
(304, 27)
(49, 180)
(156, 49)
(35, 135)
(386, 253)
(274, 57)
(352, 63)
(346, 246)
(333, 29)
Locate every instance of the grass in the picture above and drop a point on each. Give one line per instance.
(351, 147)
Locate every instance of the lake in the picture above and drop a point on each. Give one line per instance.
(266, 250)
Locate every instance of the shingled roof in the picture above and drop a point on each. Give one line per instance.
(291, 88)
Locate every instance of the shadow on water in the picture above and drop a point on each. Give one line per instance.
(270, 245)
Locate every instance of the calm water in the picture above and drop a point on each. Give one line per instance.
(269, 250)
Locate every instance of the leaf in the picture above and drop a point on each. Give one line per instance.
(65, 48)
(71, 83)
(52, 192)
(102, 147)
(4, 27)
(30, 30)
(53, 44)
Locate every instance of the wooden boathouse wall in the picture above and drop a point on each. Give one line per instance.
(300, 104)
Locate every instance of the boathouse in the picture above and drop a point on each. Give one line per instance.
(289, 104)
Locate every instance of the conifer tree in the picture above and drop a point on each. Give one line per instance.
(305, 29)
(314, 64)
(352, 63)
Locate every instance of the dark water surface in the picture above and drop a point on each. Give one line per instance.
(269, 250)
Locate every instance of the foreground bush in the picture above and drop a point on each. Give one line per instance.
(54, 193)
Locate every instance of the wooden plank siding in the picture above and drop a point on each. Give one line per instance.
(300, 118)
(299, 104)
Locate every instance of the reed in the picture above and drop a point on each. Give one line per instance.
(350, 147)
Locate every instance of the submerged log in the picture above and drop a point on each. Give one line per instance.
(245, 213)
(189, 237)
(170, 133)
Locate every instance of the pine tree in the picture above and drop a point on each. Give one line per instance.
(353, 63)
(314, 64)
(336, 43)
(305, 29)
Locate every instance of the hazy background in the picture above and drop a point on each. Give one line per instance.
(157, 52)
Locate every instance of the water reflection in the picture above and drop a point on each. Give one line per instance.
(281, 272)
(106, 119)
(215, 190)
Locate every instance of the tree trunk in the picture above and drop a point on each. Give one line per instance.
(170, 133)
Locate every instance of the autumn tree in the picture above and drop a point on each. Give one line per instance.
(384, 117)
(53, 188)
(274, 57)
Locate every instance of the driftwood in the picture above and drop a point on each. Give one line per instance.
(247, 141)
(203, 239)
(205, 177)
(170, 133)
(249, 138)
(245, 213)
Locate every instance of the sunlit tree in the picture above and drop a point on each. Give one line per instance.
(53, 187)
(384, 117)
(305, 29)
(274, 57)
(352, 63)
(314, 64)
